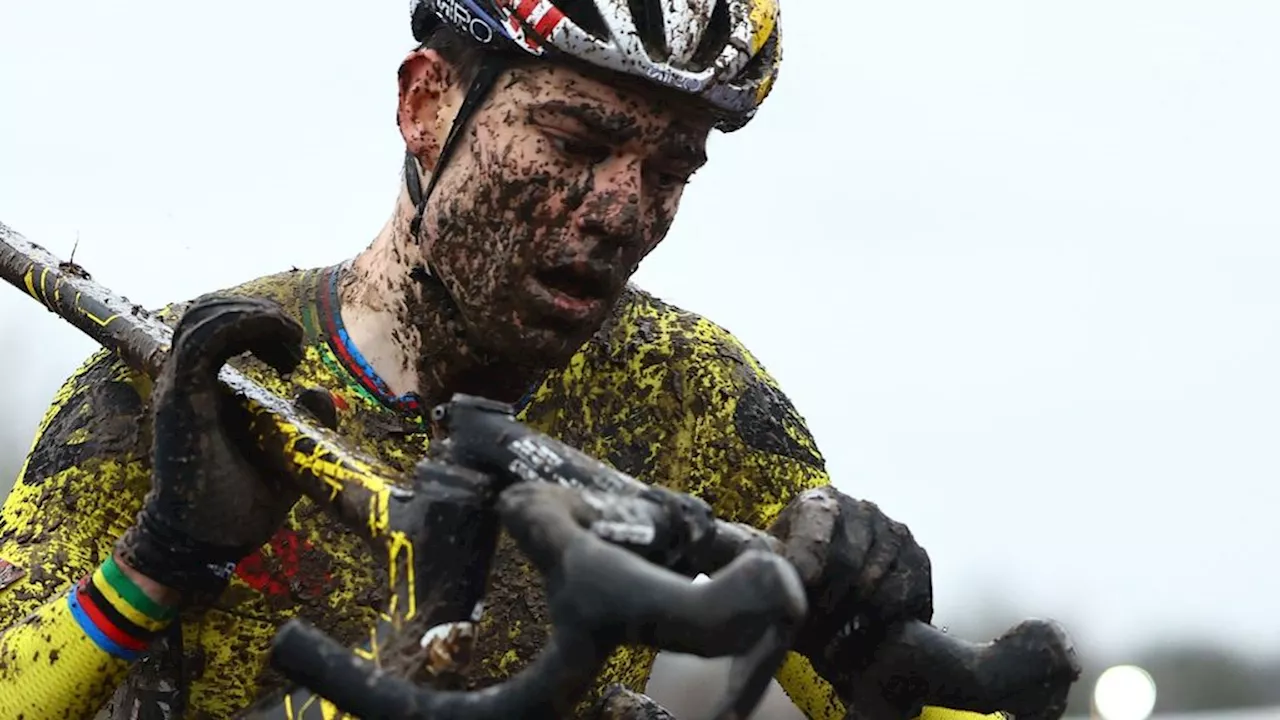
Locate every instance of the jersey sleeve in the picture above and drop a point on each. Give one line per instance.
(70, 623)
(751, 453)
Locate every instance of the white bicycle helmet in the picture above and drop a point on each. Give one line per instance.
(725, 52)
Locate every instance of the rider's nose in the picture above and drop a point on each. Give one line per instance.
(613, 208)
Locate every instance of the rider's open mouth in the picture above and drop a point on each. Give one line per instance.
(576, 283)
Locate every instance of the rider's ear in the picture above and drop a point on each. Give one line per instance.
(429, 100)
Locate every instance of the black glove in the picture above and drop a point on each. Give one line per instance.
(862, 572)
(213, 498)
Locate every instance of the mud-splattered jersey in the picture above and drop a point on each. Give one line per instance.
(659, 393)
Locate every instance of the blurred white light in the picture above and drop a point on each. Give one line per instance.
(1125, 692)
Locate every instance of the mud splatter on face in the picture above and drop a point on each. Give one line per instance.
(562, 185)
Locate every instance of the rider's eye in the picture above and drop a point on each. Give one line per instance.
(671, 180)
(580, 149)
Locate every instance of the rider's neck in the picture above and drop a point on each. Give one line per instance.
(410, 332)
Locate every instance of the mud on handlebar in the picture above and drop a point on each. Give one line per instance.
(437, 533)
(600, 596)
(616, 556)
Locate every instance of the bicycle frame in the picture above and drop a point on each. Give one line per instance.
(1032, 666)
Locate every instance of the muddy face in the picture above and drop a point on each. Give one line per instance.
(560, 186)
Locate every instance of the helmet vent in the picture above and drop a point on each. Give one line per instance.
(586, 15)
(713, 40)
(648, 19)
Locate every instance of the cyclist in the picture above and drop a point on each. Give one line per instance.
(146, 558)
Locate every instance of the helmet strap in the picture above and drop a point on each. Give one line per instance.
(491, 66)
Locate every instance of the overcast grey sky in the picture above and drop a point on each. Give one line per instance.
(1014, 261)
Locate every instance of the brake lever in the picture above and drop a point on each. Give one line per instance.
(1028, 671)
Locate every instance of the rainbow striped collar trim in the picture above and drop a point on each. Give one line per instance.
(329, 314)
(330, 318)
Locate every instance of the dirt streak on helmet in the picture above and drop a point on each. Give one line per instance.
(725, 52)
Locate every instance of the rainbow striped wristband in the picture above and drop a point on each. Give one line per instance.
(115, 613)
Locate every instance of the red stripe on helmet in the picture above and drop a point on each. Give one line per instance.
(525, 8)
(549, 21)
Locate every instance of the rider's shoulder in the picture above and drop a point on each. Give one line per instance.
(92, 416)
(710, 368)
(647, 330)
(287, 287)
